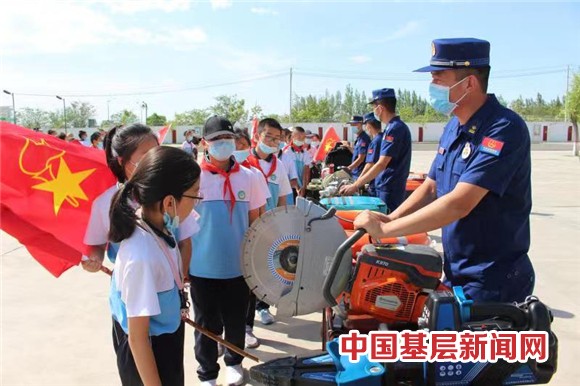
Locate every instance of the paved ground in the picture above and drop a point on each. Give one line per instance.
(57, 332)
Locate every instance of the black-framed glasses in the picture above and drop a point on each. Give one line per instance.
(196, 199)
(271, 139)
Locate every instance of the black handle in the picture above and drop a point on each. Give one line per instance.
(483, 311)
(336, 262)
(327, 215)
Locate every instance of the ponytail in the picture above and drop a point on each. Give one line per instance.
(112, 161)
(122, 214)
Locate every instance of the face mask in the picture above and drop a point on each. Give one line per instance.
(354, 129)
(172, 224)
(439, 98)
(315, 143)
(222, 149)
(267, 149)
(308, 141)
(297, 142)
(282, 145)
(375, 114)
(241, 155)
(100, 145)
(189, 138)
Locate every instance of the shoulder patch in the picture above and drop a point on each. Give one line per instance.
(371, 150)
(389, 138)
(491, 146)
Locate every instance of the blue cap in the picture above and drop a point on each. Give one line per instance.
(369, 117)
(382, 94)
(356, 119)
(457, 53)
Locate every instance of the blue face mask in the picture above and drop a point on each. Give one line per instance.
(439, 98)
(222, 149)
(172, 224)
(354, 129)
(241, 155)
(267, 149)
(282, 145)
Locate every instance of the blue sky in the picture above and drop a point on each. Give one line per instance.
(147, 47)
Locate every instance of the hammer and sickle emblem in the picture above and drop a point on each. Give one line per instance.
(491, 144)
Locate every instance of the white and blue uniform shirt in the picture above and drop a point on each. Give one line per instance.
(278, 182)
(217, 247)
(143, 284)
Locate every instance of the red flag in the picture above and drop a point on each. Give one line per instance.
(254, 133)
(161, 134)
(327, 144)
(47, 187)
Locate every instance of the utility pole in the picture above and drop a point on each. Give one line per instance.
(290, 115)
(13, 105)
(566, 116)
(63, 112)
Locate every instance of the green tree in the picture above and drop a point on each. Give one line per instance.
(156, 120)
(124, 117)
(191, 117)
(31, 118)
(55, 119)
(256, 111)
(78, 114)
(231, 107)
(573, 110)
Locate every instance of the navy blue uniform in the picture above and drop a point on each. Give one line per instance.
(486, 252)
(390, 183)
(361, 146)
(373, 155)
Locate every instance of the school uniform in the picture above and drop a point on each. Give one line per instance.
(144, 283)
(218, 290)
(297, 158)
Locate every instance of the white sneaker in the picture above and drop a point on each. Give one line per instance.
(209, 383)
(221, 349)
(234, 375)
(266, 317)
(251, 340)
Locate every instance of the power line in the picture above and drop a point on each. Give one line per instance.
(167, 91)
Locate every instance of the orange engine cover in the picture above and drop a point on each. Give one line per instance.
(390, 281)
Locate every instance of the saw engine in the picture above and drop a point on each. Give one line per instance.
(392, 283)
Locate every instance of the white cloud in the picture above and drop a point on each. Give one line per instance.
(135, 6)
(73, 26)
(221, 4)
(359, 59)
(264, 11)
(406, 30)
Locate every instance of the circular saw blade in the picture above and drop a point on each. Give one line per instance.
(270, 253)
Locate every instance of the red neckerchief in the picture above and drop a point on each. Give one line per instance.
(254, 160)
(227, 184)
(246, 164)
(297, 149)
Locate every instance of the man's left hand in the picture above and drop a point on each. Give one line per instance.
(368, 221)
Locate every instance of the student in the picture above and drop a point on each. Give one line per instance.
(96, 140)
(232, 200)
(242, 154)
(124, 148)
(289, 164)
(263, 158)
(189, 145)
(300, 159)
(146, 296)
